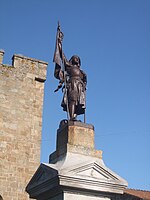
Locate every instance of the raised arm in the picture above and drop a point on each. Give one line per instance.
(67, 64)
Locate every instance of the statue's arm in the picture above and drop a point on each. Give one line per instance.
(59, 86)
(84, 77)
(67, 64)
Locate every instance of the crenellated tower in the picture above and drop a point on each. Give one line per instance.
(21, 103)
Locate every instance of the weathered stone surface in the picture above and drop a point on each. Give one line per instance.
(1, 56)
(21, 102)
(78, 196)
(75, 133)
(75, 137)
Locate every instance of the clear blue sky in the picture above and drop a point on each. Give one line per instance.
(112, 38)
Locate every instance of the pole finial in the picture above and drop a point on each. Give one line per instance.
(58, 25)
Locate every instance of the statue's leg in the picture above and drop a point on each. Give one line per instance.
(72, 110)
(75, 116)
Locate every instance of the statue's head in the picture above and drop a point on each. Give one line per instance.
(75, 60)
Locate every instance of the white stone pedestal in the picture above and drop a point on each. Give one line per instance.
(76, 170)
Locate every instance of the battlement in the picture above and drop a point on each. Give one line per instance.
(1, 55)
(24, 67)
(21, 106)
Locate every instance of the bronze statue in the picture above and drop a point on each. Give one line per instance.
(72, 80)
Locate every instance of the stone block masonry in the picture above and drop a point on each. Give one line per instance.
(21, 103)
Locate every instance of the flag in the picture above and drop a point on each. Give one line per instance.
(58, 54)
(58, 48)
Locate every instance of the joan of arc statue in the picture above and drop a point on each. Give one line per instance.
(72, 80)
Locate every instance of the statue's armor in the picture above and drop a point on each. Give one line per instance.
(76, 85)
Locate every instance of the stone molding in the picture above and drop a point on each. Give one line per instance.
(73, 173)
(74, 169)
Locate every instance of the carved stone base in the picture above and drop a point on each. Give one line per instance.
(76, 170)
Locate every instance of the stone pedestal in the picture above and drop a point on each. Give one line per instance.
(75, 137)
(76, 170)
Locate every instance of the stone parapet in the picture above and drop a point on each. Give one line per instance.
(24, 68)
(32, 67)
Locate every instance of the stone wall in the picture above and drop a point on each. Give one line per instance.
(21, 102)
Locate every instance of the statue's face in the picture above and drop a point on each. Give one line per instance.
(75, 60)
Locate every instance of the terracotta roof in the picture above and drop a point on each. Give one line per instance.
(139, 193)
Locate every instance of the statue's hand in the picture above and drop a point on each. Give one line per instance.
(59, 86)
(56, 90)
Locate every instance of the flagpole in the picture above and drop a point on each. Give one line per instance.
(65, 92)
(65, 81)
(85, 107)
(59, 60)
